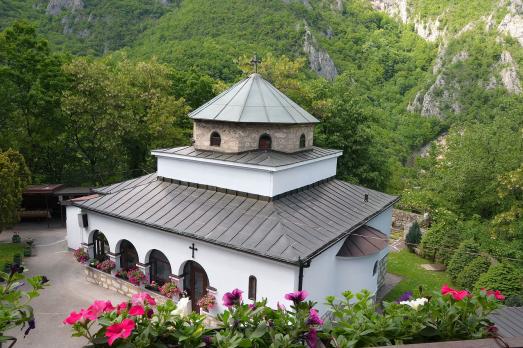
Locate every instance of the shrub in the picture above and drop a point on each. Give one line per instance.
(81, 255)
(449, 314)
(135, 276)
(169, 289)
(502, 276)
(207, 301)
(439, 242)
(466, 252)
(413, 237)
(471, 273)
(106, 266)
(16, 238)
(514, 301)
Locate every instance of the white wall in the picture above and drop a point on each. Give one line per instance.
(259, 180)
(382, 222)
(74, 231)
(332, 275)
(226, 268)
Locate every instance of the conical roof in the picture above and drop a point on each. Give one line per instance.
(253, 100)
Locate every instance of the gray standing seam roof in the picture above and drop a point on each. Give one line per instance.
(257, 157)
(509, 321)
(298, 225)
(253, 100)
(364, 241)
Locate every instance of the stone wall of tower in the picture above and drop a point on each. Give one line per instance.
(240, 137)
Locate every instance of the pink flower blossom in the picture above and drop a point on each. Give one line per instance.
(459, 295)
(120, 330)
(312, 338)
(497, 294)
(142, 299)
(73, 318)
(297, 296)
(136, 310)
(122, 307)
(445, 289)
(232, 298)
(314, 318)
(99, 307)
(280, 306)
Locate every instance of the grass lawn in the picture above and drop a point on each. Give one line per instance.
(408, 266)
(7, 250)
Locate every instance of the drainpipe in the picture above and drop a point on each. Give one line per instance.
(302, 265)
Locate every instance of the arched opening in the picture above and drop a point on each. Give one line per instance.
(253, 283)
(216, 139)
(195, 282)
(265, 142)
(302, 141)
(160, 268)
(100, 246)
(128, 255)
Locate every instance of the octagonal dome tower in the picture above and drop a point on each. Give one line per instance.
(252, 115)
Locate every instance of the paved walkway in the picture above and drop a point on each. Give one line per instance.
(68, 289)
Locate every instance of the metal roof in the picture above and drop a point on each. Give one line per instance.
(145, 179)
(298, 225)
(80, 190)
(253, 100)
(42, 189)
(257, 157)
(364, 241)
(509, 321)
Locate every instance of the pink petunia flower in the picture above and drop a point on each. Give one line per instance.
(297, 296)
(122, 307)
(100, 307)
(232, 298)
(136, 310)
(142, 299)
(120, 330)
(280, 306)
(497, 294)
(312, 338)
(459, 295)
(73, 318)
(445, 289)
(314, 318)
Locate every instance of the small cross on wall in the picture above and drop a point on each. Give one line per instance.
(255, 61)
(193, 248)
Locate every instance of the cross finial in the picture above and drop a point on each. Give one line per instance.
(255, 61)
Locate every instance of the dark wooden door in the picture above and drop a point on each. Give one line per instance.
(196, 283)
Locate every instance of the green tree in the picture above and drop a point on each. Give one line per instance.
(31, 84)
(14, 177)
(467, 251)
(413, 237)
(470, 274)
(504, 277)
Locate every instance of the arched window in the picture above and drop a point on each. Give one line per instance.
(129, 256)
(302, 141)
(252, 288)
(101, 246)
(160, 268)
(375, 268)
(265, 142)
(216, 139)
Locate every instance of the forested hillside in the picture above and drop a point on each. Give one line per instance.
(89, 87)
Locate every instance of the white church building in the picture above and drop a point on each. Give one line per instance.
(251, 204)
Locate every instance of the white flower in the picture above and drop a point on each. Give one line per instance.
(415, 303)
(181, 307)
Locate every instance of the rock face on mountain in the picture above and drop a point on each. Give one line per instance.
(54, 7)
(319, 59)
(394, 8)
(509, 75)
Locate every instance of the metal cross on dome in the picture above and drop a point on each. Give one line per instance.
(255, 61)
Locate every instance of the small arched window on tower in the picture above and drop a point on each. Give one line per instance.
(265, 142)
(252, 288)
(302, 141)
(216, 139)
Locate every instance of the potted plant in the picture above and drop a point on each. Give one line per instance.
(17, 259)
(28, 251)
(16, 238)
(154, 286)
(170, 290)
(121, 273)
(106, 266)
(135, 276)
(93, 263)
(81, 255)
(207, 302)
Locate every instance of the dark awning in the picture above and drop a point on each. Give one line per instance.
(362, 242)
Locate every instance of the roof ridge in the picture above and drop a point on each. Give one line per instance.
(279, 101)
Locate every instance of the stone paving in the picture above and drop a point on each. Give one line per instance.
(68, 288)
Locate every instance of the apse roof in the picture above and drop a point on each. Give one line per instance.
(364, 241)
(297, 226)
(253, 100)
